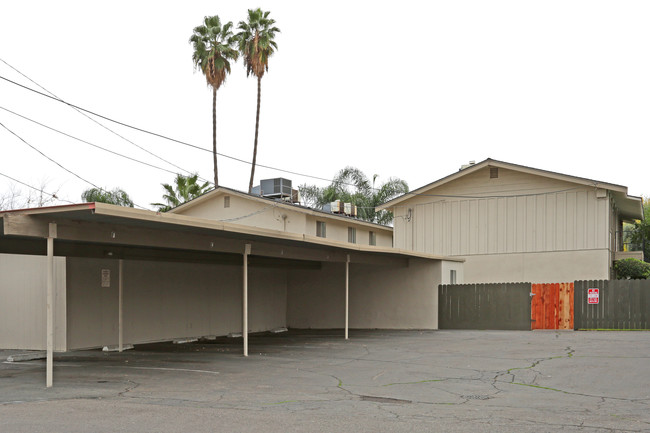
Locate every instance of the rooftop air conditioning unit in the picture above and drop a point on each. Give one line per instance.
(337, 206)
(274, 188)
(349, 209)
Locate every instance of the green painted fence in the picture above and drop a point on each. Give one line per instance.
(621, 304)
(484, 306)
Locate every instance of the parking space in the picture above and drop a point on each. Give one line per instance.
(317, 381)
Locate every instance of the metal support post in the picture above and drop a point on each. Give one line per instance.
(247, 251)
(347, 293)
(49, 364)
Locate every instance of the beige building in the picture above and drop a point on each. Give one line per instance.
(228, 205)
(513, 223)
(93, 274)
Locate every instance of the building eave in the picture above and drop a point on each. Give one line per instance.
(505, 165)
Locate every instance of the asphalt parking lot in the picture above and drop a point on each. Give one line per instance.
(316, 381)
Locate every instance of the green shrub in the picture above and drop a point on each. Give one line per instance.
(632, 269)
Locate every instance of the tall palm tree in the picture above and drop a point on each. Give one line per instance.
(256, 45)
(214, 48)
(186, 189)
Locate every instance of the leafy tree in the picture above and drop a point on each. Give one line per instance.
(639, 234)
(351, 185)
(186, 189)
(214, 48)
(116, 196)
(256, 45)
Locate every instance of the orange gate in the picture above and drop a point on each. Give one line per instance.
(552, 306)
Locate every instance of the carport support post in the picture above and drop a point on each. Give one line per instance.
(347, 292)
(49, 364)
(244, 332)
(120, 327)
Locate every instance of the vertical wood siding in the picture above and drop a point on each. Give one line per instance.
(566, 217)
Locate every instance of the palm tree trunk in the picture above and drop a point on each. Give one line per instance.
(214, 135)
(257, 126)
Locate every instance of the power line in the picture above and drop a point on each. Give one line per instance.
(101, 124)
(76, 107)
(85, 142)
(55, 162)
(162, 136)
(37, 189)
(532, 194)
(47, 157)
(238, 159)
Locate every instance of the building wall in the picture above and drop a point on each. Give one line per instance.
(546, 267)
(338, 230)
(249, 213)
(541, 215)
(380, 296)
(267, 215)
(23, 292)
(164, 301)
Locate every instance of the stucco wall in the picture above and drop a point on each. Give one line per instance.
(268, 215)
(248, 212)
(381, 296)
(23, 291)
(549, 267)
(338, 230)
(163, 301)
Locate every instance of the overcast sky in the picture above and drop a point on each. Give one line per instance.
(405, 89)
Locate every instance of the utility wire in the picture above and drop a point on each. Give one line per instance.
(162, 136)
(55, 162)
(85, 142)
(250, 214)
(166, 137)
(244, 161)
(101, 124)
(47, 157)
(37, 189)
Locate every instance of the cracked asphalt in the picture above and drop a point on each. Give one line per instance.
(378, 381)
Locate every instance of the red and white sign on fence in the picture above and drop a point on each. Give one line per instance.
(592, 296)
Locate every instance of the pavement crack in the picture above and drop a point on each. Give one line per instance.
(128, 389)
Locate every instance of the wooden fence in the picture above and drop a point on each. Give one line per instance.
(484, 306)
(613, 304)
(552, 306)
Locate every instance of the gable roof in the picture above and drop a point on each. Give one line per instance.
(630, 206)
(220, 190)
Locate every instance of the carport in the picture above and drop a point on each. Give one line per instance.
(113, 275)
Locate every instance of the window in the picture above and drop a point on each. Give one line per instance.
(352, 235)
(320, 229)
(452, 276)
(372, 238)
(226, 201)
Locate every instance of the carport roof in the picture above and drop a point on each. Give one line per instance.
(97, 222)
